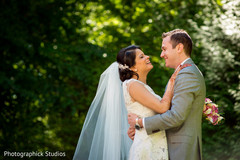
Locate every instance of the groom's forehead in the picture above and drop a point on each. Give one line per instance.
(166, 41)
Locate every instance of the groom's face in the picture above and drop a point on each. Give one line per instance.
(169, 53)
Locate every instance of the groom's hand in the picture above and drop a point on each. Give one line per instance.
(132, 120)
(131, 133)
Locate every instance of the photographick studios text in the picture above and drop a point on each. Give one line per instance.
(34, 154)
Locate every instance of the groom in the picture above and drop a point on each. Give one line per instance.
(183, 121)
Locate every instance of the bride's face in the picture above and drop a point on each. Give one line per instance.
(142, 61)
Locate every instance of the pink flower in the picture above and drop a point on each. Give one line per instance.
(215, 119)
(210, 110)
(207, 100)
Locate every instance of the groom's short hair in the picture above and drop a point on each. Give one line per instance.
(180, 36)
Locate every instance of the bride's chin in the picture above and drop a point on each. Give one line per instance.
(151, 66)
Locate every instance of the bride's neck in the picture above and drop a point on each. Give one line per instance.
(141, 78)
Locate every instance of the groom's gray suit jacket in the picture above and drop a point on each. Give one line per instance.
(183, 122)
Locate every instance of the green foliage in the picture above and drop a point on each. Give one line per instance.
(44, 72)
(53, 52)
(220, 47)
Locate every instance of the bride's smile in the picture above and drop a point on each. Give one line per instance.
(143, 64)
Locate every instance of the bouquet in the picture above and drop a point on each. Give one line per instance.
(210, 110)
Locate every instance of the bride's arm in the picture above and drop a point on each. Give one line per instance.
(140, 94)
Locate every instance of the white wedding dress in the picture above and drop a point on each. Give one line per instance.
(145, 147)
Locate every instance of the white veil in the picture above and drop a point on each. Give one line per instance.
(104, 133)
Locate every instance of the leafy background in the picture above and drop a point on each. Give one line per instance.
(52, 53)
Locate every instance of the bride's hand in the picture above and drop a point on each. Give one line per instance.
(172, 79)
(174, 75)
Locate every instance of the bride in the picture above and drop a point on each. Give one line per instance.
(104, 133)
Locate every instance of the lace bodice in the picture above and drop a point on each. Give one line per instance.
(150, 147)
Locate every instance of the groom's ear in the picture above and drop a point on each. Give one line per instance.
(180, 48)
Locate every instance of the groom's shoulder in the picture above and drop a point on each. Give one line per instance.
(191, 71)
(188, 72)
(191, 68)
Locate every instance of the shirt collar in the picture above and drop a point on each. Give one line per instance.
(185, 61)
(182, 63)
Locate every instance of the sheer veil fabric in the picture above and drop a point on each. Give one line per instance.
(104, 133)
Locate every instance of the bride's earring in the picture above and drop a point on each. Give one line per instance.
(135, 70)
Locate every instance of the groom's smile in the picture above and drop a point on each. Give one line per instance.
(168, 53)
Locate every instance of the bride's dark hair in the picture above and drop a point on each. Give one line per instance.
(126, 57)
